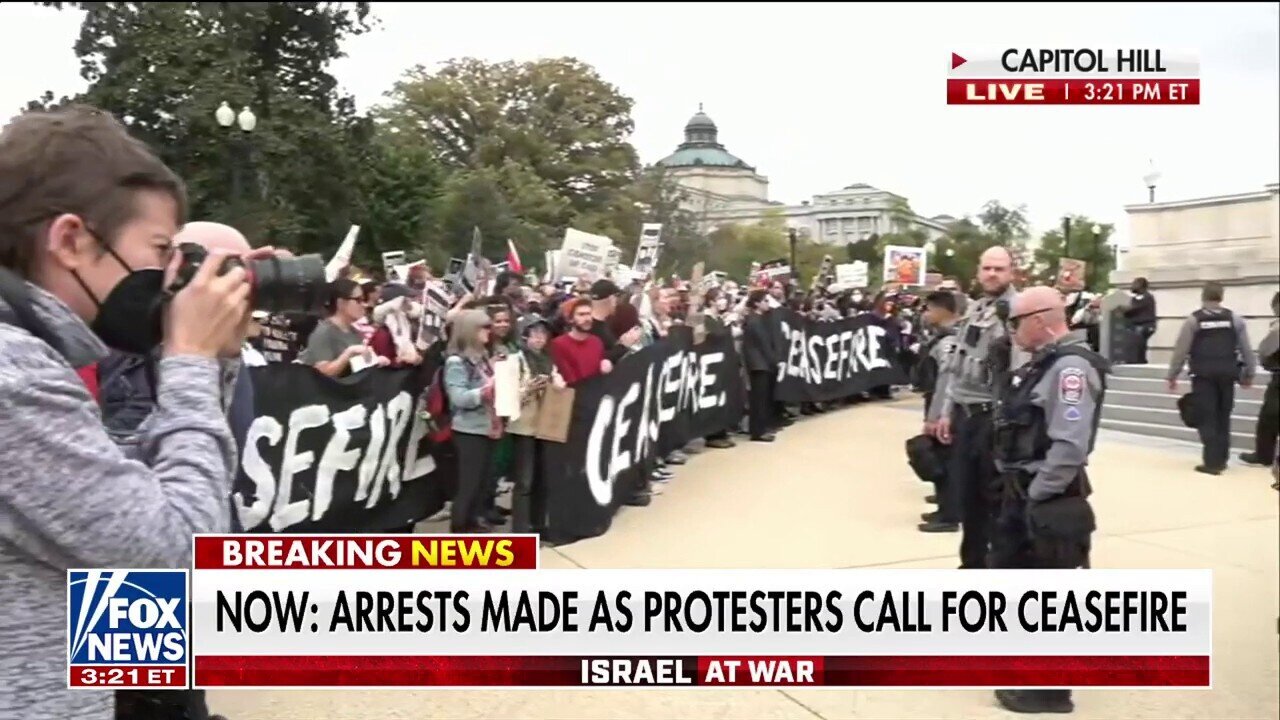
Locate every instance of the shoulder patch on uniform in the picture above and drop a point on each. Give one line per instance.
(1071, 414)
(1071, 385)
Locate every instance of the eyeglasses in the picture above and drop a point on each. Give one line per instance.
(1014, 320)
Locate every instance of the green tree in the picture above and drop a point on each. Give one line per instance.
(734, 247)
(400, 187)
(550, 139)
(164, 68)
(656, 197)
(1085, 244)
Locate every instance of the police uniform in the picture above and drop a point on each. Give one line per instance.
(1045, 429)
(974, 371)
(932, 381)
(1215, 345)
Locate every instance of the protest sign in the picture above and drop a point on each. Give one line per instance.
(852, 275)
(348, 454)
(905, 265)
(648, 248)
(392, 258)
(283, 336)
(584, 254)
(1072, 274)
(831, 360)
(775, 270)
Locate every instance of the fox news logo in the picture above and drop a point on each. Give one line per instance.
(127, 628)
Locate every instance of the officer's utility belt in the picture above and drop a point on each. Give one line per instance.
(971, 409)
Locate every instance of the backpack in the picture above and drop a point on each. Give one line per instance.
(436, 409)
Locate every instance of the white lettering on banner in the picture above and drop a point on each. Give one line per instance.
(829, 371)
(708, 378)
(669, 384)
(294, 462)
(337, 457)
(414, 466)
(258, 471)
(398, 417)
(375, 460)
(846, 354)
(649, 425)
(684, 378)
(601, 487)
(815, 365)
(621, 459)
(369, 466)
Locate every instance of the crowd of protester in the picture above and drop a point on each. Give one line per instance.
(562, 334)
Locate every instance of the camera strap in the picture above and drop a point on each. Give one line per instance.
(19, 312)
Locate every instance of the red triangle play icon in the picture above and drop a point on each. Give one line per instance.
(957, 61)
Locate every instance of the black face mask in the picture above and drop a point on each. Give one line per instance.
(130, 317)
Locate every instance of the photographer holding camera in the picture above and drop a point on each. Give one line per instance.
(87, 220)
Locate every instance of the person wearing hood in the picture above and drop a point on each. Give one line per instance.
(87, 220)
(529, 495)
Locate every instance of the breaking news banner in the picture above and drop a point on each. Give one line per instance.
(474, 611)
(1074, 76)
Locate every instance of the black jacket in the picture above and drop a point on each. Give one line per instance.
(758, 348)
(1142, 310)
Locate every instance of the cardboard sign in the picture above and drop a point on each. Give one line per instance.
(555, 414)
(852, 274)
(584, 254)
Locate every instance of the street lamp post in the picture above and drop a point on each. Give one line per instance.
(246, 121)
(1150, 180)
(791, 239)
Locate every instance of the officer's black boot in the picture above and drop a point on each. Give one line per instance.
(1035, 701)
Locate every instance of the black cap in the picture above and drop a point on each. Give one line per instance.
(603, 289)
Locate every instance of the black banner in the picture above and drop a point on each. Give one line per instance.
(653, 402)
(344, 455)
(835, 359)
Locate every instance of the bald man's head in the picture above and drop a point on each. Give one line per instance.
(223, 238)
(1038, 316)
(995, 270)
(214, 236)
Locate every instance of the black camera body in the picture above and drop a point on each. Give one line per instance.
(280, 285)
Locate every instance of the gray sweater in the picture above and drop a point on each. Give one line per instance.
(70, 498)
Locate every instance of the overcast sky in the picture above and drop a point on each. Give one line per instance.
(821, 96)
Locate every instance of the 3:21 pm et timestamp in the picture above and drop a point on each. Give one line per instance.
(126, 677)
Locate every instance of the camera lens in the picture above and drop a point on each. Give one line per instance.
(283, 285)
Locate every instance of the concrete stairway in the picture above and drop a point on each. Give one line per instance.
(1138, 402)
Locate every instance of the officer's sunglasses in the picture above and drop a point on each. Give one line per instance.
(1014, 320)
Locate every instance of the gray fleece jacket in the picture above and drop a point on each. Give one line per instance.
(70, 498)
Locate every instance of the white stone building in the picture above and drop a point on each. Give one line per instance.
(1180, 245)
(721, 188)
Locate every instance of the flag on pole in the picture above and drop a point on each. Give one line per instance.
(513, 258)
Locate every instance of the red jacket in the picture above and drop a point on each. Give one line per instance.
(577, 360)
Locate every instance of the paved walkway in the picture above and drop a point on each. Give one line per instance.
(835, 492)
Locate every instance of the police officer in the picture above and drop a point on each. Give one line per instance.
(1045, 429)
(1215, 343)
(982, 358)
(1268, 427)
(940, 318)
